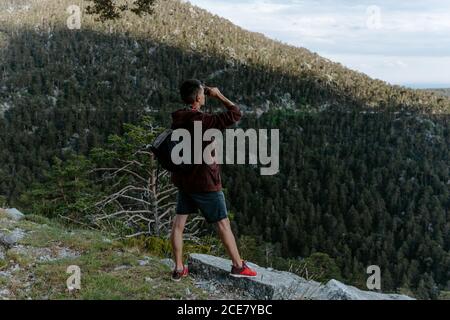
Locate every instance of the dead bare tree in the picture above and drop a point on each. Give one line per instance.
(142, 198)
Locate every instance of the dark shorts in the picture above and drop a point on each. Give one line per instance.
(211, 204)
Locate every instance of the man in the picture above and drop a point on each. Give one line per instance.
(201, 187)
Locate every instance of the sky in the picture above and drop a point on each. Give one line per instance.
(405, 42)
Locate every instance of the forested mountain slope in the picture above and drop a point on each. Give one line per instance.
(366, 188)
(64, 88)
(357, 153)
(443, 92)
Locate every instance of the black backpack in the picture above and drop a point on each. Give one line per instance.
(162, 149)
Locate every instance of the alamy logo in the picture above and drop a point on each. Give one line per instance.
(74, 281)
(374, 281)
(74, 20)
(235, 150)
(374, 18)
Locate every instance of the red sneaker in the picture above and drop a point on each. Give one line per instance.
(245, 271)
(177, 275)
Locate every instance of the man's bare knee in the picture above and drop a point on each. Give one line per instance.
(223, 225)
(179, 223)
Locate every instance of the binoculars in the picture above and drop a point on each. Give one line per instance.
(206, 89)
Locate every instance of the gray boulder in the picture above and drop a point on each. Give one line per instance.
(335, 290)
(44, 254)
(11, 238)
(4, 294)
(168, 262)
(14, 214)
(268, 284)
(279, 285)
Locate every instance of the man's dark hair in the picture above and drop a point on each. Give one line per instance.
(190, 89)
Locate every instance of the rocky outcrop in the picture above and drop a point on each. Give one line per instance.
(168, 262)
(269, 284)
(10, 238)
(9, 233)
(335, 290)
(19, 256)
(14, 214)
(279, 285)
(2, 253)
(43, 254)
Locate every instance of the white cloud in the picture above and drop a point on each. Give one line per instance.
(412, 30)
(418, 70)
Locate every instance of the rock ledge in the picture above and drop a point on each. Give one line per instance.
(279, 285)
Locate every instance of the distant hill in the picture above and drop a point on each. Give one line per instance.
(444, 92)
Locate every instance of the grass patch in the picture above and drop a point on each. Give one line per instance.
(20, 259)
(445, 295)
(109, 269)
(101, 280)
(3, 264)
(162, 248)
(78, 239)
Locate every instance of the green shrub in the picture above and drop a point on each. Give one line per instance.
(162, 247)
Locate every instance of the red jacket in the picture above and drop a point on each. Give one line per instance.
(203, 177)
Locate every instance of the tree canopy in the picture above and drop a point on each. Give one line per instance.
(113, 9)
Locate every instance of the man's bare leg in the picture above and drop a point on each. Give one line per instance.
(176, 237)
(228, 240)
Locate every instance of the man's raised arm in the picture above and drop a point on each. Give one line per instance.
(221, 120)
